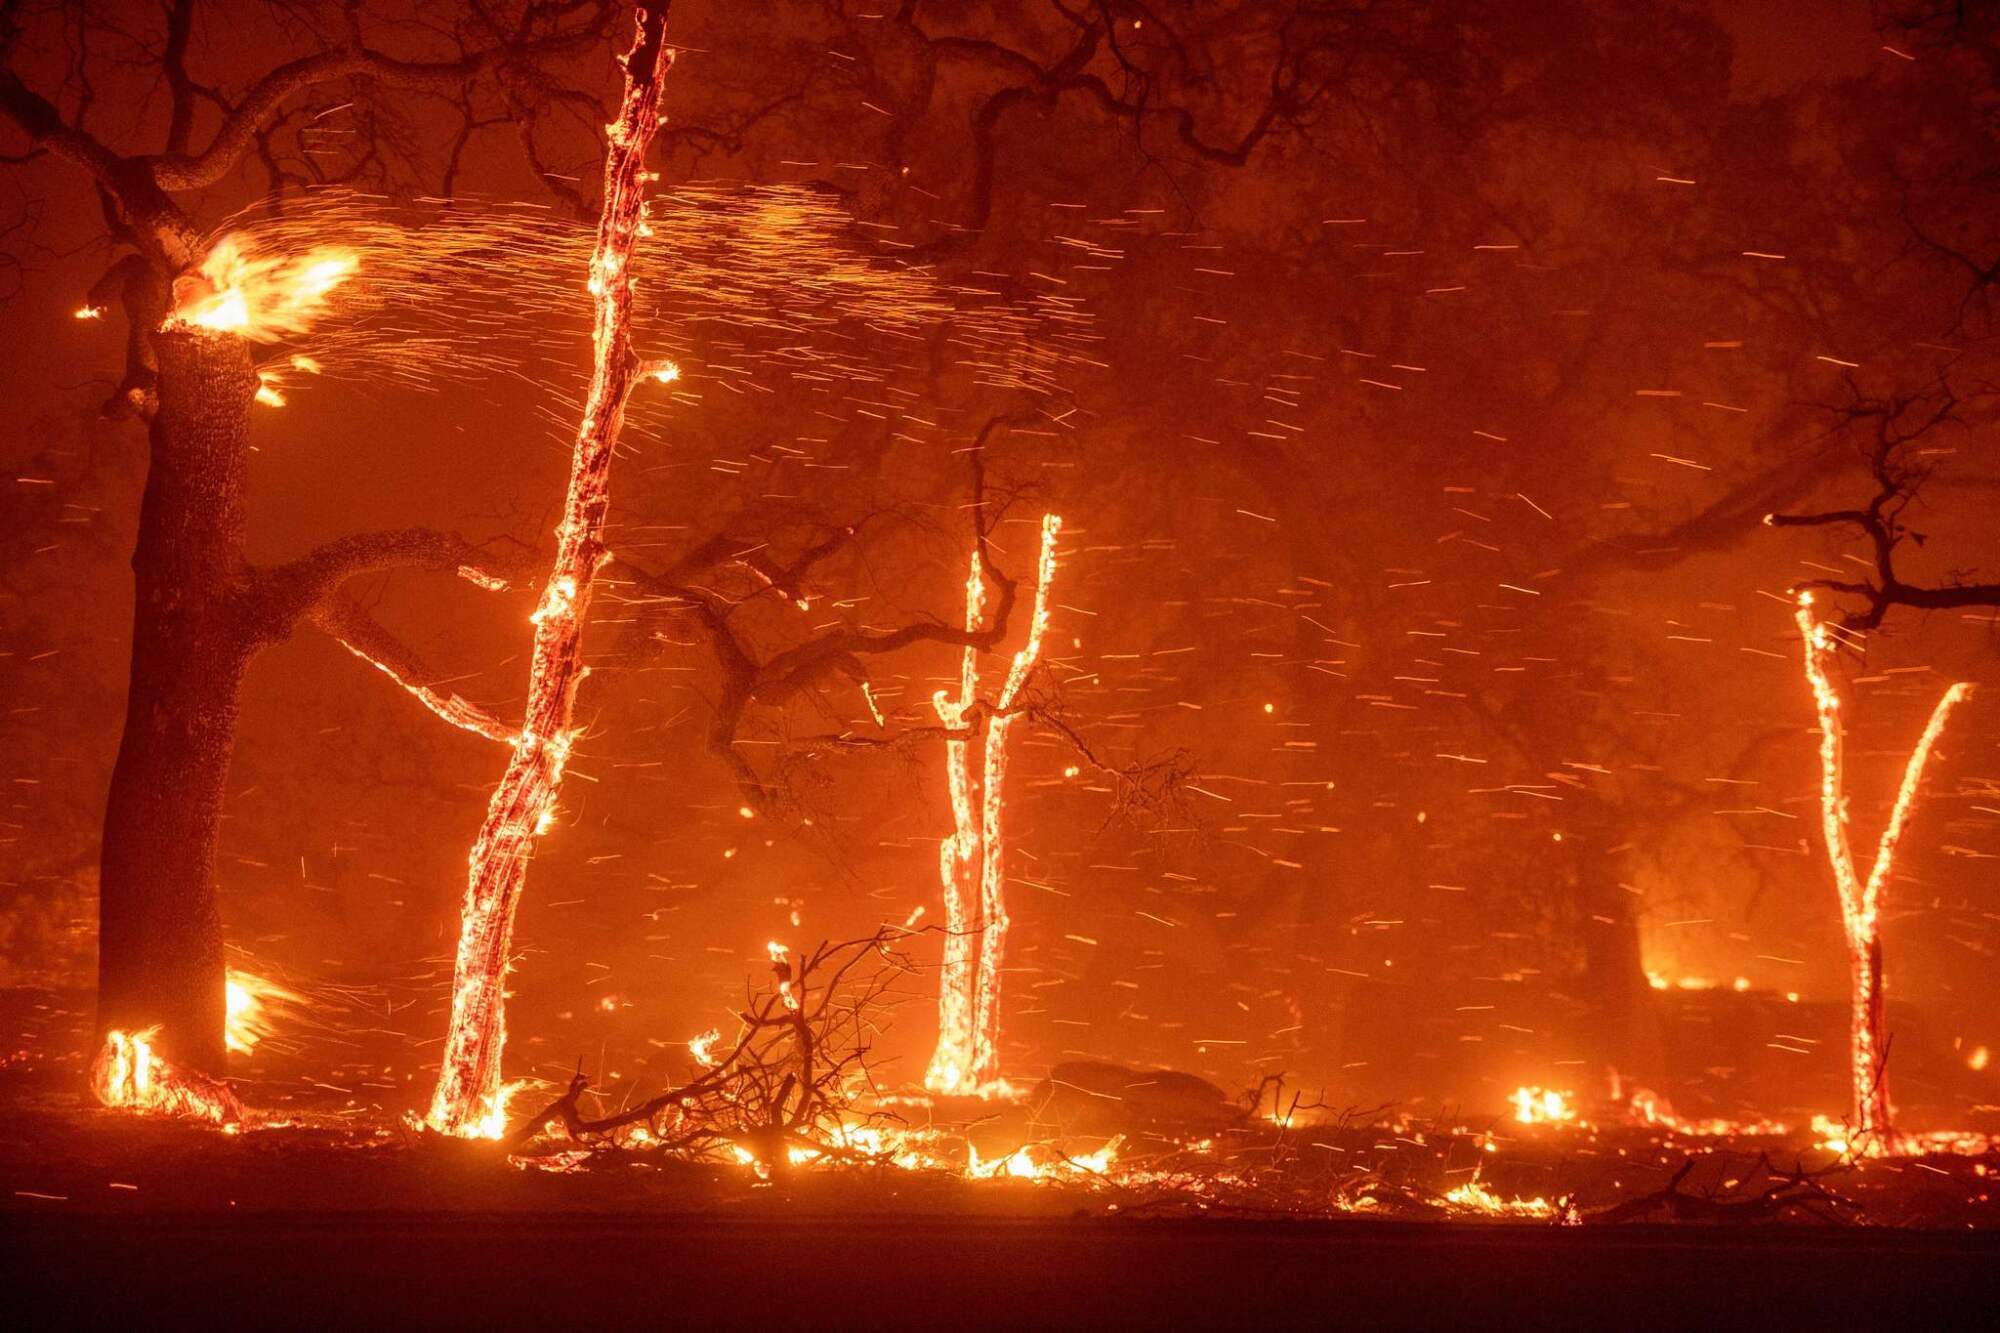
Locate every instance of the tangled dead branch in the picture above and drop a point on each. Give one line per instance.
(1764, 1193)
(787, 1087)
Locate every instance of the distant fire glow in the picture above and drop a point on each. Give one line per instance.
(1543, 1106)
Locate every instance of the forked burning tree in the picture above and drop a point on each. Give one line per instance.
(469, 1099)
(972, 861)
(1861, 897)
(1897, 424)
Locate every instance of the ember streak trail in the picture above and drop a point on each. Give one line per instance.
(469, 1100)
(972, 860)
(1861, 900)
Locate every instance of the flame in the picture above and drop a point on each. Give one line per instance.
(127, 1075)
(1542, 1106)
(1475, 1197)
(261, 297)
(702, 1048)
(250, 1009)
(1040, 1162)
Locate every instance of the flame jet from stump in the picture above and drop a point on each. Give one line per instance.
(1861, 900)
(470, 1099)
(972, 861)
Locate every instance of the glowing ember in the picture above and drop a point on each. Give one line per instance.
(470, 1100)
(967, 1059)
(127, 1075)
(1861, 899)
(453, 708)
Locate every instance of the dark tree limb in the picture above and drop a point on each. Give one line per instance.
(283, 595)
(547, 29)
(1898, 423)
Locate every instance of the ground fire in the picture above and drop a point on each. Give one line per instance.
(912, 644)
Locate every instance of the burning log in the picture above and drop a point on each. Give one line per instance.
(470, 1099)
(1090, 1097)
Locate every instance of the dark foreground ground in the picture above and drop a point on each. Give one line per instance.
(812, 1272)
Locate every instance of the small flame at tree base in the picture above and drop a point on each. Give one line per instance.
(128, 1076)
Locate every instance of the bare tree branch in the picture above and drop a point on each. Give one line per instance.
(1898, 422)
(349, 625)
(284, 594)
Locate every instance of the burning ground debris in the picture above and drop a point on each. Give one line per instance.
(720, 1139)
(787, 1101)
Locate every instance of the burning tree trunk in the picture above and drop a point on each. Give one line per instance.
(959, 861)
(1861, 899)
(160, 962)
(470, 1100)
(973, 859)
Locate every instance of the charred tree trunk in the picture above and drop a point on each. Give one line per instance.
(1621, 1030)
(160, 962)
